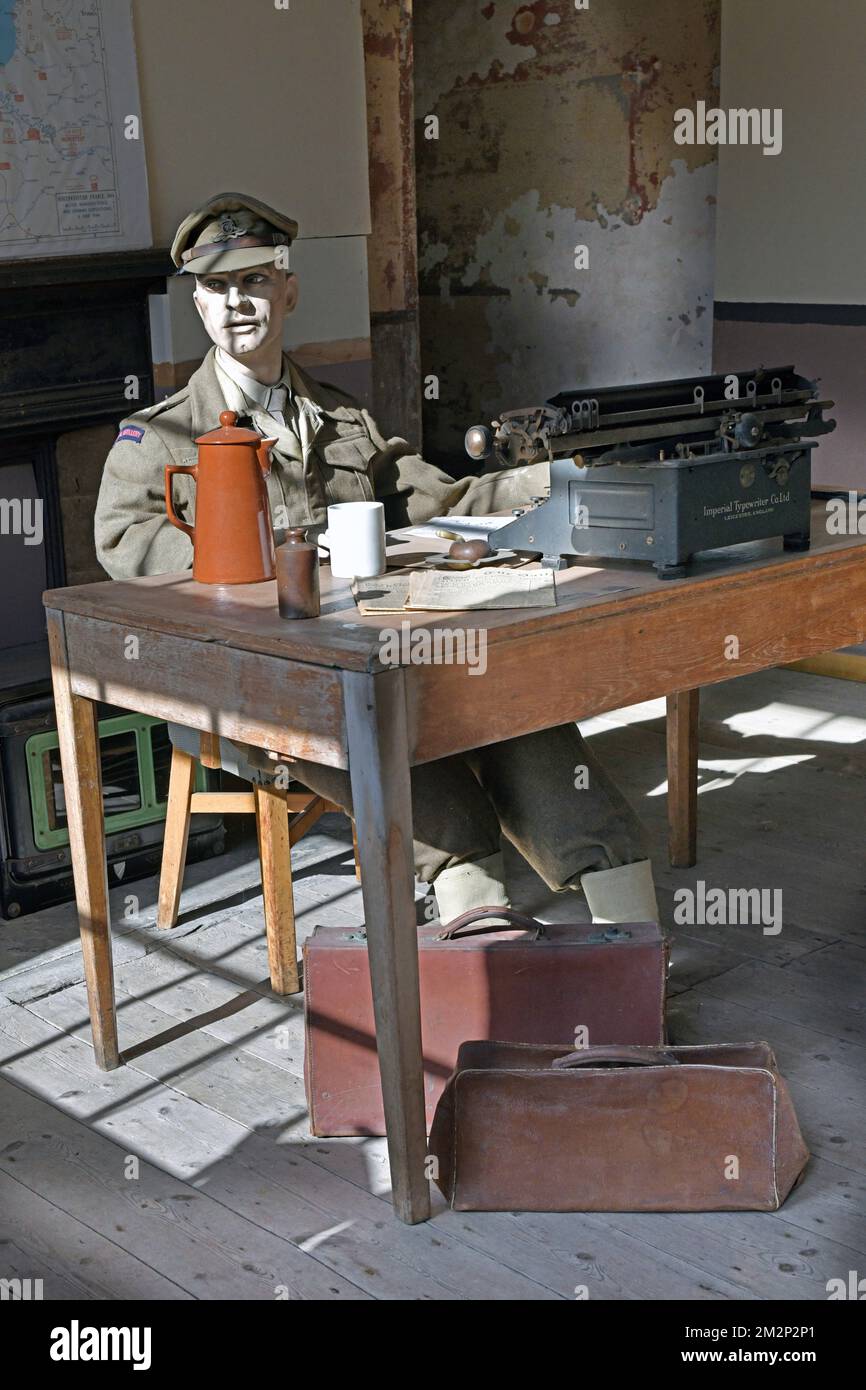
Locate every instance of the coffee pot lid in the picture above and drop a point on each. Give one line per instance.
(229, 432)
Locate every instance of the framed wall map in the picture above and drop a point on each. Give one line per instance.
(73, 178)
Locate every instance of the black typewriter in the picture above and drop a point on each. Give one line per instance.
(661, 471)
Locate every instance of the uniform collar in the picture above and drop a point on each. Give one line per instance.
(255, 391)
(206, 397)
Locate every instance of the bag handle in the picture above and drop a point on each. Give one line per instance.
(618, 1054)
(477, 914)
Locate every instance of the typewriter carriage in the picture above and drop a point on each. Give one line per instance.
(661, 471)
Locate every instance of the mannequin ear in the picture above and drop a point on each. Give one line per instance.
(196, 301)
(291, 291)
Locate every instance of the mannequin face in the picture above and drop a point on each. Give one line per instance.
(243, 312)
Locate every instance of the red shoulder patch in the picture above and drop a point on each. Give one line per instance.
(131, 433)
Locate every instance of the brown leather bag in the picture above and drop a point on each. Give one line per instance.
(616, 1129)
(537, 984)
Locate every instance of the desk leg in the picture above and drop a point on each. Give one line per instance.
(682, 732)
(382, 803)
(82, 789)
(275, 853)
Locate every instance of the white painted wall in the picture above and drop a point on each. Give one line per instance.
(263, 100)
(790, 229)
(270, 102)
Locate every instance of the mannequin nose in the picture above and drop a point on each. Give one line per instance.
(234, 297)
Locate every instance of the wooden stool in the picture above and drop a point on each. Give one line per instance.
(276, 835)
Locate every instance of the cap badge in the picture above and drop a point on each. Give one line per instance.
(230, 228)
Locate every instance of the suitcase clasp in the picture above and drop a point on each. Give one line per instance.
(609, 934)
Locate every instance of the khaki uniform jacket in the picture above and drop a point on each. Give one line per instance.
(343, 459)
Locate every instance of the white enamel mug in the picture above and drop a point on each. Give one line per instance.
(356, 539)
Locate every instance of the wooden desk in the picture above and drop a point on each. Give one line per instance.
(223, 662)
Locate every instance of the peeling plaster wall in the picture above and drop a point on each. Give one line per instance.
(392, 256)
(555, 131)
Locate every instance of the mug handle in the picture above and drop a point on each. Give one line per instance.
(170, 470)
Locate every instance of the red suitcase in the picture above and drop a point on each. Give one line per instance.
(551, 983)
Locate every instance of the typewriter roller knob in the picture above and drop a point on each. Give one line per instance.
(749, 430)
(479, 442)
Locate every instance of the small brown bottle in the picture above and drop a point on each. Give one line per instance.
(298, 575)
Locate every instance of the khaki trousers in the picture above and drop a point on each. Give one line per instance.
(545, 792)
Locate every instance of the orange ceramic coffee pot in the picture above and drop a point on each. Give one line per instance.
(233, 540)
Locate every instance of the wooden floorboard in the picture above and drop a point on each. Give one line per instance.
(143, 1236)
(235, 1198)
(259, 1173)
(781, 995)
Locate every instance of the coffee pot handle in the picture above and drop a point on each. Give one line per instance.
(170, 470)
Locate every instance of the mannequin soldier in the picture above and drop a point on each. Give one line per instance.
(329, 449)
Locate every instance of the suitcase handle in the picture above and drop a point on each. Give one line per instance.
(477, 914)
(616, 1055)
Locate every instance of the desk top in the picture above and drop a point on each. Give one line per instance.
(245, 615)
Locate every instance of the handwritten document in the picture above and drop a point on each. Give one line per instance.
(457, 590)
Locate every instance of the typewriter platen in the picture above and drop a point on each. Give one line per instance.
(661, 471)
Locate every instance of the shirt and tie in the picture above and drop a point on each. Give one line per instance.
(276, 413)
(246, 394)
